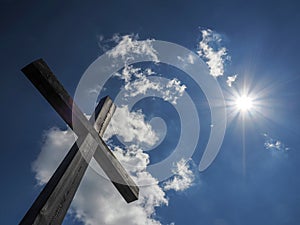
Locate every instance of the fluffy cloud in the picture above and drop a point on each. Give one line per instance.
(174, 90)
(212, 52)
(96, 200)
(274, 144)
(56, 142)
(136, 79)
(137, 82)
(131, 127)
(128, 46)
(183, 178)
(230, 80)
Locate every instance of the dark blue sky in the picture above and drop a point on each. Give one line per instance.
(262, 38)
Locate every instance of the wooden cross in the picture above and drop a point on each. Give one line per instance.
(52, 204)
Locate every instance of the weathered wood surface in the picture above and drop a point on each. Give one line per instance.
(53, 202)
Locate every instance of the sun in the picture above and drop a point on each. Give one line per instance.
(248, 102)
(244, 103)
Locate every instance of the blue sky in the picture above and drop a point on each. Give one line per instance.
(253, 180)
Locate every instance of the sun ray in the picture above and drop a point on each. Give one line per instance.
(244, 104)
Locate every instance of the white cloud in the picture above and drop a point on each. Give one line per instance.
(96, 200)
(141, 86)
(128, 47)
(274, 144)
(174, 90)
(183, 178)
(131, 127)
(212, 52)
(137, 82)
(136, 79)
(56, 142)
(132, 158)
(230, 80)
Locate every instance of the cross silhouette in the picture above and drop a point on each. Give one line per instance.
(51, 206)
